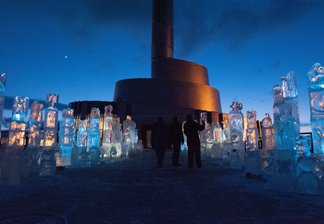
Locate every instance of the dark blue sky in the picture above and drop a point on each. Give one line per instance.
(80, 48)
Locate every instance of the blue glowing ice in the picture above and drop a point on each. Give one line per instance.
(94, 136)
(83, 156)
(66, 136)
(289, 90)
(3, 79)
(316, 96)
(285, 127)
(237, 128)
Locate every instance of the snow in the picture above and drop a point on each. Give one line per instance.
(135, 191)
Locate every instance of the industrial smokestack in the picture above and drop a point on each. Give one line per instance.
(162, 29)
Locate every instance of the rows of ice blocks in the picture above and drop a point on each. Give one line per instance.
(280, 154)
(38, 146)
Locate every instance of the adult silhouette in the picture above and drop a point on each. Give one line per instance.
(191, 130)
(176, 138)
(160, 140)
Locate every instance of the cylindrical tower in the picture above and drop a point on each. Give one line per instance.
(177, 87)
(162, 29)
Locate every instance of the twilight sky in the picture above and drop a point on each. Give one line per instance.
(80, 48)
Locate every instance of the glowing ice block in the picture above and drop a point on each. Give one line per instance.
(252, 156)
(93, 144)
(290, 94)
(66, 136)
(35, 123)
(251, 131)
(316, 97)
(237, 128)
(47, 152)
(116, 138)
(83, 155)
(268, 142)
(18, 125)
(50, 121)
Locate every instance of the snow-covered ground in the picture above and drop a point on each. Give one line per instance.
(135, 191)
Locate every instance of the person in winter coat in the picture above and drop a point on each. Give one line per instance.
(191, 130)
(176, 138)
(160, 140)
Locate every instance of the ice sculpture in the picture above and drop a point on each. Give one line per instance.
(237, 127)
(129, 127)
(209, 135)
(278, 106)
(203, 134)
(83, 156)
(284, 167)
(268, 144)
(184, 147)
(14, 161)
(116, 138)
(107, 127)
(35, 123)
(47, 164)
(288, 130)
(3, 79)
(217, 147)
(206, 138)
(50, 121)
(18, 125)
(251, 131)
(267, 133)
(227, 142)
(307, 181)
(94, 136)
(252, 158)
(285, 126)
(316, 97)
(226, 132)
(289, 90)
(217, 133)
(34, 138)
(136, 138)
(66, 136)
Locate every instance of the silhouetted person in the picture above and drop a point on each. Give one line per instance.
(191, 130)
(27, 141)
(160, 139)
(176, 138)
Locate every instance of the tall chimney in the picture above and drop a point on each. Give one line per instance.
(162, 29)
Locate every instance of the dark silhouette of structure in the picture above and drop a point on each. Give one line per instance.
(177, 87)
